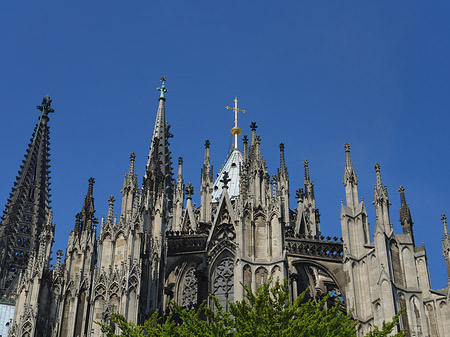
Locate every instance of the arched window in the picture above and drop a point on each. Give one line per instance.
(223, 282)
(190, 288)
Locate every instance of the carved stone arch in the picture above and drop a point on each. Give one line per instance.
(319, 280)
(114, 288)
(248, 277)
(261, 276)
(276, 274)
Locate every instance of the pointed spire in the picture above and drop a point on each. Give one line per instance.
(349, 175)
(28, 206)
(306, 166)
(206, 160)
(444, 223)
(378, 170)
(109, 217)
(158, 163)
(180, 169)
(245, 142)
(131, 169)
(253, 126)
(282, 161)
(405, 214)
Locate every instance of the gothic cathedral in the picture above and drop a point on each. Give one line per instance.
(163, 247)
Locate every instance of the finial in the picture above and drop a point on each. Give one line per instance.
(245, 139)
(253, 126)
(444, 222)
(377, 170)
(282, 162)
(207, 143)
(91, 186)
(305, 165)
(225, 180)
(78, 221)
(189, 191)
(236, 131)
(347, 147)
(45, 106)
(299, 194)
(132, 160)
(109, 217)
(180, 161)
(162, 89)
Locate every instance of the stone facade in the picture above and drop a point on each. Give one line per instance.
(162, 247)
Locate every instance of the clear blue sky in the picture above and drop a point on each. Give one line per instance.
(312, 74)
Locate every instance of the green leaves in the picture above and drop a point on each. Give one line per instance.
(268, 312)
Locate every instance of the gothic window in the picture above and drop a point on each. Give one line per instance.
(248, 276)
(261, 276)
(397, 264)
(189, 297)
(404, 315)
(223, 283)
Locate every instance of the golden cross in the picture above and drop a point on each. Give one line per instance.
(236, 131)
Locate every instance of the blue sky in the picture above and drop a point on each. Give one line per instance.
(312, 74)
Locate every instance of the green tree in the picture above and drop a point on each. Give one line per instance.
(268, 312)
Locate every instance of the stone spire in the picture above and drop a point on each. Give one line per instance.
(350, 179)
(158, 167)
(27, 208)
(109, 217)
(405, 214)
(206, 186)
(381, 201)
(446, 244)
(87, 213)
(178, 198)
(309, 186)
(282, 160)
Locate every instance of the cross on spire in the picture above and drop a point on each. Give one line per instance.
(225, 180)
(235, 131)
(162, 89)
(189, 190)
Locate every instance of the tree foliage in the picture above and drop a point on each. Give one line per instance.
(268, 312)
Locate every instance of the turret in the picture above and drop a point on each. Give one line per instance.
(28, 206)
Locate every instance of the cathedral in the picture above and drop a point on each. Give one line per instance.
(164, 248)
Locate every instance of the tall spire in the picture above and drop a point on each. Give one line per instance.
(446, 244)
(235, 131)
(350, 179)
(88, 211)
(28, 207)
(159, 149)
(349, 175)
(282, 161)
(405, 214)
(381, 201)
